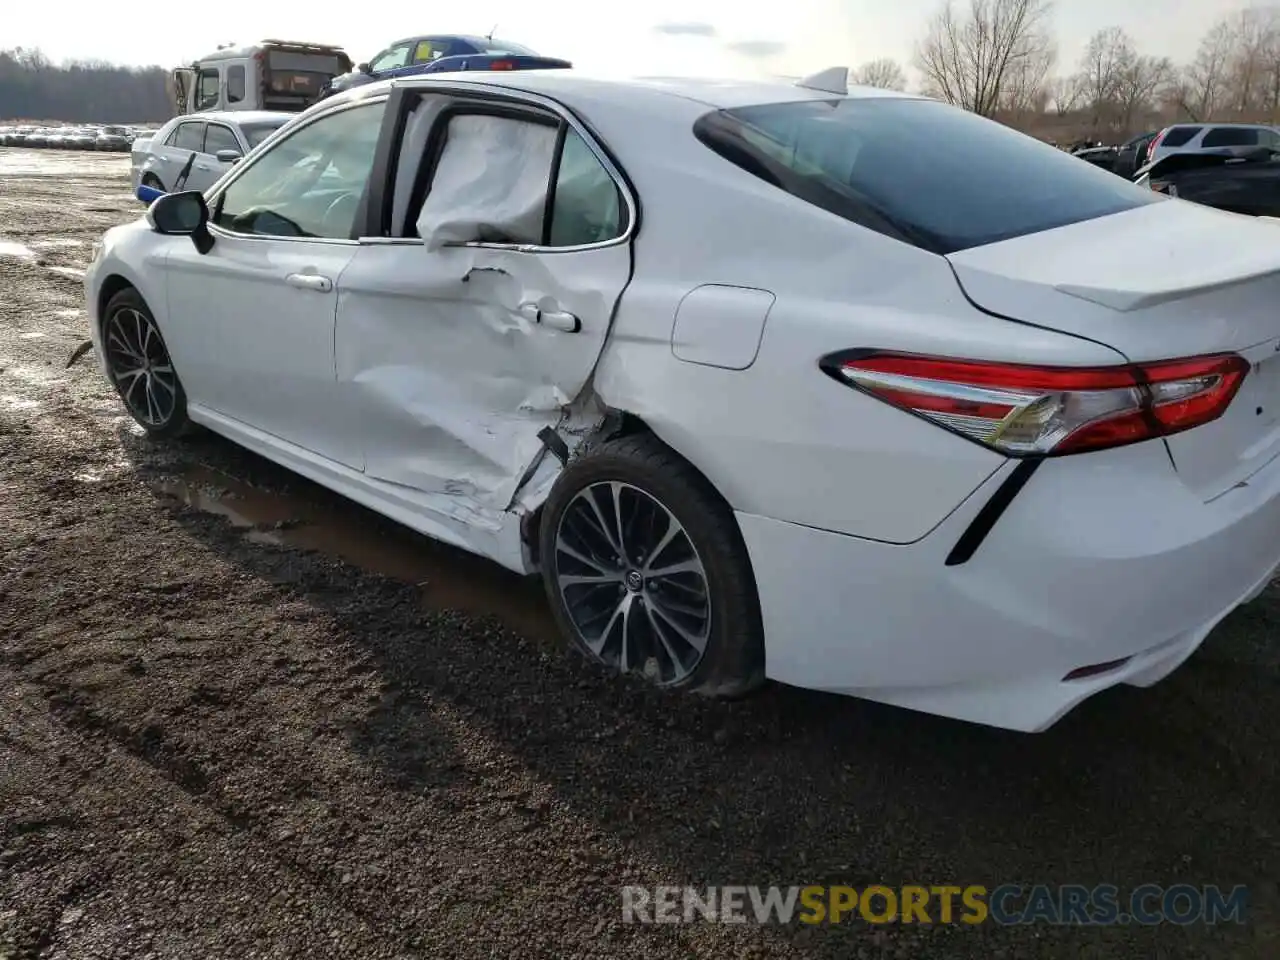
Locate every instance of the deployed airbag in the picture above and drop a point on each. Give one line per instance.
(490, 184)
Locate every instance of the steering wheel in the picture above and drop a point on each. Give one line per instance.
(340, 216)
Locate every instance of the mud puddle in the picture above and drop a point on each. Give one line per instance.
(448, 578)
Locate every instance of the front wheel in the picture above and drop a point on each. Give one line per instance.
(140, 368)
(647, 573)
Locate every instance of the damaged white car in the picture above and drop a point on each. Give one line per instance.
(762, 382)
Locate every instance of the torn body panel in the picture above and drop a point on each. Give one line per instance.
(455, 374)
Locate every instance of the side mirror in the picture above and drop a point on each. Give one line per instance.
(182, 215)
(363, 68)
(228, 156)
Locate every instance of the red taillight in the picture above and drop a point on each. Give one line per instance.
(502, 65)
(1151, 150)
(1028, 411)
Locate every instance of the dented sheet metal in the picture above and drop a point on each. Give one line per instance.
(453, 374)
(490, 183)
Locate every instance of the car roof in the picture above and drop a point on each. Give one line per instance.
(238, 116)
(721, 94)
(1221, 123)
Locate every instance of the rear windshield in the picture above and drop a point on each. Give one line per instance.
(919, 170)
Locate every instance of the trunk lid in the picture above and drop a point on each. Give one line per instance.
(1162, 281)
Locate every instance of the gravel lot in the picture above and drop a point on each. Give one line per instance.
(240, 717)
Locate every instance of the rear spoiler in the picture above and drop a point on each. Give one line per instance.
(1178, 162)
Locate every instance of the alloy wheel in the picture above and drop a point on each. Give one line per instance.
(632, 582)
(140, 366)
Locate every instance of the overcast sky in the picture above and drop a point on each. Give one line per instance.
(691, 37)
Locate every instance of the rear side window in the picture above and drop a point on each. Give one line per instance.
(1179, 136)
(924, 172)
(1232, 137)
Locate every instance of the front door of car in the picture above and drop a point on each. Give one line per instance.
(172, 156)
(208, 169)
(252, 321)
(474, 326)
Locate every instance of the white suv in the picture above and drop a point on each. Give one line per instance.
(1193, 137)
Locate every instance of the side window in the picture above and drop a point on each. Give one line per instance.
(490, 182)
(1231, 137)
(425, 51)
(189, 136)
(235, 84)
(207, 89)
(1270, 138)
(397, 56)
(587, 207)
(308, 184)
(1179, 136)
(217, 137)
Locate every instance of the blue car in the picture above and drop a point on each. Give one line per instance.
(440, 53)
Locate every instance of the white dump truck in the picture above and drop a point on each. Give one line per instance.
(282, 75)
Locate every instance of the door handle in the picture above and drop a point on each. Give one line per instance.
(556, 319)
(309, 281)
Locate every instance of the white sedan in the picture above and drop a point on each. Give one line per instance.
(759, 380)
(192, 152)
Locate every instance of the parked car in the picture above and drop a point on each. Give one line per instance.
(442, 53)
(945, 429)
(1239, 180)
(1193, 137)
(115, 139)
(1132, 154)
(200, 146)
(1104, 157)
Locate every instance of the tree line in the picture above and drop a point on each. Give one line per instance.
(999, 58)
(34, 88)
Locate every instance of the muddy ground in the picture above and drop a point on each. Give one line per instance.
(240, 717)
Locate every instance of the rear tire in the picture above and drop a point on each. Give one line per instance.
(646, 570)
(151, 180)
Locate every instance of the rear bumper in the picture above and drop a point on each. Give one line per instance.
(1099, 558)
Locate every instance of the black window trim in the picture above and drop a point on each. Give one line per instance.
(377, 221)
(214, 200)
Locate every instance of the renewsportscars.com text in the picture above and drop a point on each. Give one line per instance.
(1008, 904)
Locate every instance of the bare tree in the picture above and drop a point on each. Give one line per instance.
(1107, 56)
(1253, 37)
(969, 54)
(1065, 94)
(1140, 84)
(884, 73)
(1203, 85)
(1026, 87)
